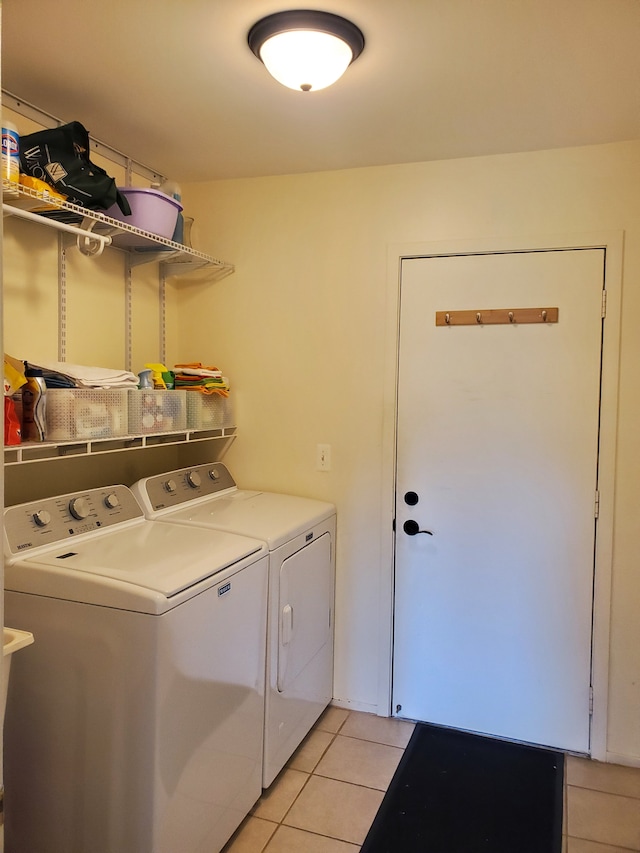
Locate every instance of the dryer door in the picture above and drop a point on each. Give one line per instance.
(305, 604)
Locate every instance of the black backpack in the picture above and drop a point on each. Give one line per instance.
(60, 156)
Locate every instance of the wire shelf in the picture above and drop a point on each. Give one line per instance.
(143, 247)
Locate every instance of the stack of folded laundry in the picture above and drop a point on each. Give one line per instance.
(61, 374)
(198, 377)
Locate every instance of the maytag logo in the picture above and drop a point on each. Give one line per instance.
(25, 545)
(224, 589)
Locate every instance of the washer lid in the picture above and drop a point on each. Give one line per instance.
(270, 516)
(152, 556)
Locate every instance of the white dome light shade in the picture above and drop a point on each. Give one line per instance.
(306, 60)
(306, 49)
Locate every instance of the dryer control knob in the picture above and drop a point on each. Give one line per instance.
(112, 501)
(194, 479)
(79, 508)
(170, 486)
(42, 517)
(214, 474)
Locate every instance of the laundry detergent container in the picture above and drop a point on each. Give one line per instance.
(151, 211)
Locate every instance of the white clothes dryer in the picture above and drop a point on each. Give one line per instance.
(300, 534)
(135, 722)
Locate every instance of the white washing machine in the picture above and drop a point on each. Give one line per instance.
(135, 723)
(300, 534)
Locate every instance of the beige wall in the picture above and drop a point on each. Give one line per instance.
(95, 298)
(300, 329)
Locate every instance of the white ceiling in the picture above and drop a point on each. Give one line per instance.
(174, 85)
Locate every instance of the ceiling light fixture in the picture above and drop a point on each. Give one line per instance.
(306, 49)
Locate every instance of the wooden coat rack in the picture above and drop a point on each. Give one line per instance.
(497, 316)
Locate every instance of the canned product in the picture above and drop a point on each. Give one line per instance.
(10, 156)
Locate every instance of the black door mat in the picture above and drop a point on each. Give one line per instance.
(455, 792)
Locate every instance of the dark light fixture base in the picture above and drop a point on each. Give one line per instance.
(306, 19)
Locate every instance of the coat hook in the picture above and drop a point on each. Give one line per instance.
(511, 317)
(544, 316)
(478, 317)
(447, 318)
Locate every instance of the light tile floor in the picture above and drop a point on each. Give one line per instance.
(328, 794)
(602, 807)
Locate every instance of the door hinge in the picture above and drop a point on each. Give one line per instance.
(590, 701)
(596, 509)
(604, 304)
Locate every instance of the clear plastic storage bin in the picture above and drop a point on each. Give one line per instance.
(86, 413)
(208, 411)
(153, 411)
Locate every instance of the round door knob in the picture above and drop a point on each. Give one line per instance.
(111, 501)
(170, 486)
(79, 508)
(194, 479)
(411, 528)
(42, 517)
(411, 498)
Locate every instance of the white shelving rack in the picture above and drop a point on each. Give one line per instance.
(91, 231)
(45, 451)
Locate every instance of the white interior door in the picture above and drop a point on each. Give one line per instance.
(497, 436)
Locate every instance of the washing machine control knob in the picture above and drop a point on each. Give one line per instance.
(112, 501)
(214, 474)
(170, 486)
(42, 517)
(194, 479)
(79, 508)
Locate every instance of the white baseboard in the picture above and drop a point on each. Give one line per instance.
(350, 705)
(626, 760)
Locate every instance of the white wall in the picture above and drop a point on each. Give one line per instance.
(300, 329)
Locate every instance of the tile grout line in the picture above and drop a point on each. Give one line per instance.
(601, 791)
(334, 735)
(313, 772)
(604, 844)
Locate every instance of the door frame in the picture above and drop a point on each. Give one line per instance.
(613, 243)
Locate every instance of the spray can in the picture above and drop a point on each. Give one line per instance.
(10, 158)
(34, 403)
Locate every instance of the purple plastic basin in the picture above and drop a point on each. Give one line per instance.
(151, 211)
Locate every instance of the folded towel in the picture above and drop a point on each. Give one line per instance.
(196, 377)
(194, 371)
(84, 376)
(198, 366)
